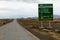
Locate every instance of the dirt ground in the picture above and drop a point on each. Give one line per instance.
(5, 21)
(34, 27)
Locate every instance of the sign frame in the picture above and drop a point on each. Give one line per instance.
(45, 12)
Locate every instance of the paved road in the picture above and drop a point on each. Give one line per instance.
(13, 31)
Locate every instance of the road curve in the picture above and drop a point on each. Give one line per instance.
(13, 31)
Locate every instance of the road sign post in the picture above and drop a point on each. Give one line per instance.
(45, 13)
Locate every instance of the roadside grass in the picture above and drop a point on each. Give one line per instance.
(33, 27)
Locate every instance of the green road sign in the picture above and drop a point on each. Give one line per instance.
(45, 11)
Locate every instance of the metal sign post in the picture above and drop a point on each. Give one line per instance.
(50, 24)
(41, 24)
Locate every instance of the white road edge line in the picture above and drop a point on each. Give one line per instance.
(31, 34)
(2, 27)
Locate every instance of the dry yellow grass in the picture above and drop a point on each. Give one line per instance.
(33, 27)
(5, 21)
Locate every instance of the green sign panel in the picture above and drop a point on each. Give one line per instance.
(45, 11)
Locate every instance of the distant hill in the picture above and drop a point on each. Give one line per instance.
(54, 16)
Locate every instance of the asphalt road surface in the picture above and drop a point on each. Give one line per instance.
(13, 31)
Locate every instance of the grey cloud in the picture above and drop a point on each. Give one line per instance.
(31, 1)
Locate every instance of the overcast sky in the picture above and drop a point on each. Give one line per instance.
(56, 6)
(25, 8)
